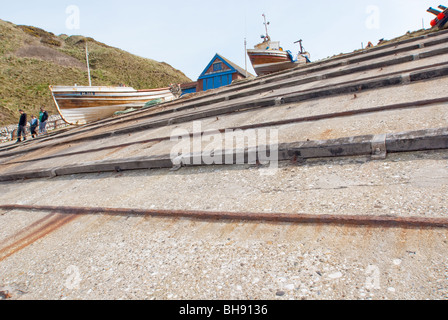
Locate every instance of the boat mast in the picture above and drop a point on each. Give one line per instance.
(88, 66)
(266, 27)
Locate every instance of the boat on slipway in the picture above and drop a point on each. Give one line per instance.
(269, 57)
(79, 105)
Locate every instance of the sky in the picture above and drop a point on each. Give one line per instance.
(188, 33)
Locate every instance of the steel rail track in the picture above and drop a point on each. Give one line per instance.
(324, 219)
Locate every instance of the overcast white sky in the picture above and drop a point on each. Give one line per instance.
(188, 33)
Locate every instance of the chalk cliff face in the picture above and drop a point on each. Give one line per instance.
(31, 59)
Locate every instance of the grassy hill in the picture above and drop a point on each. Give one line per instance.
(31, 59)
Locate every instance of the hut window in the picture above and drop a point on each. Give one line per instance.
(217, 66)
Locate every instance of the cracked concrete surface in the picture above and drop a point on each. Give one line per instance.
(102, 256)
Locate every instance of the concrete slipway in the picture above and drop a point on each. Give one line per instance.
(355, 208)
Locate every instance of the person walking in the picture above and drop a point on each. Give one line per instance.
(33, 126)
(43, 117)
(22, 125)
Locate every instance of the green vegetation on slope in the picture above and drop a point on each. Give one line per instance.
(32, 59)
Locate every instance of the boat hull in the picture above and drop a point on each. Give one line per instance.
(270, 61)
(82, 105)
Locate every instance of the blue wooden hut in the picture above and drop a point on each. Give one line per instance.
(220, 72)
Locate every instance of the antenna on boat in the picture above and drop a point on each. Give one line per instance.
(266, 23)
(88, 66)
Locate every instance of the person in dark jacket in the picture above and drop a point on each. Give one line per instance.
(21, 132)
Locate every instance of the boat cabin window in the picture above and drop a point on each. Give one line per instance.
(274, 45)
(270, 45)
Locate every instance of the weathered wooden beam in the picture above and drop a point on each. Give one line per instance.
(422, 140)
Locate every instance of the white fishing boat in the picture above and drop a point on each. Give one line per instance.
(79, 105)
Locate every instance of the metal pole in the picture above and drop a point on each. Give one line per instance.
(88, 66)
(245, 55)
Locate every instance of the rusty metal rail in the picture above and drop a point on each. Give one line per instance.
(324, 219)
